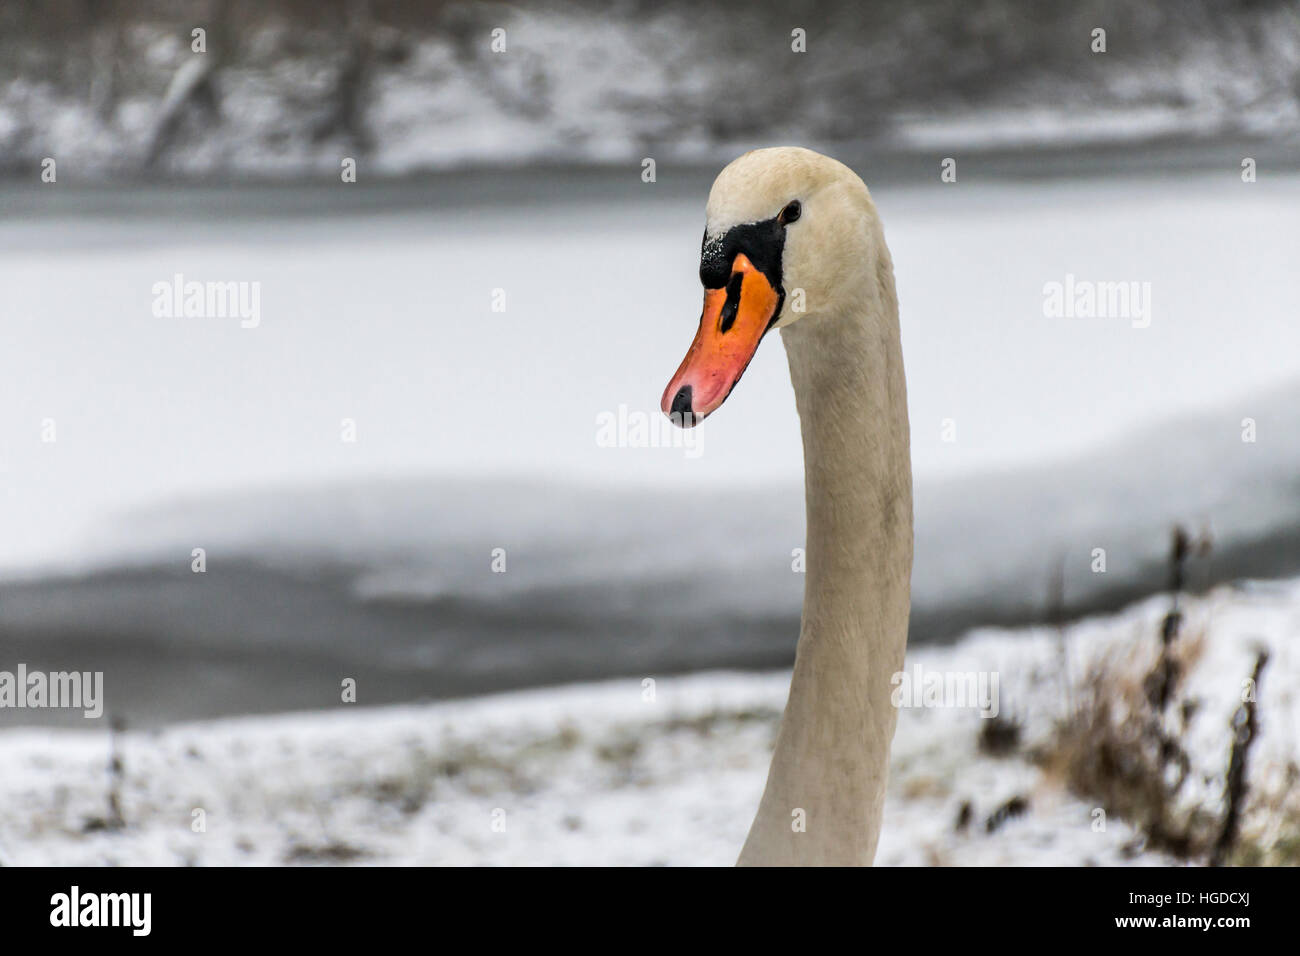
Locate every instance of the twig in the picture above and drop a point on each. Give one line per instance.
(1056, 618)
(1245, 725)
(116, 773)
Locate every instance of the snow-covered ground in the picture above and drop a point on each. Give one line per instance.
(616, 84)
(599, 774)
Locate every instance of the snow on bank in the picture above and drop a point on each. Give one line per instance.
(598, 775)
(432, 89)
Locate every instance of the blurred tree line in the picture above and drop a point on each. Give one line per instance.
(310, 71)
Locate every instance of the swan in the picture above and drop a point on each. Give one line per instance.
(792, 241)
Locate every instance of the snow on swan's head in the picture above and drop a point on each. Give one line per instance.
(790, 234)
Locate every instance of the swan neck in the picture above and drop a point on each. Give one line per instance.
(831, 759)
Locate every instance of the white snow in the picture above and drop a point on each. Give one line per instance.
(599, 775)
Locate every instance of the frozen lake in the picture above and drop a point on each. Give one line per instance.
(477, 429)
(387, 319)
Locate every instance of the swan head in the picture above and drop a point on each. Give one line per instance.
(788, 238)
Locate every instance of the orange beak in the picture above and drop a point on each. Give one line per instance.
(735, 320)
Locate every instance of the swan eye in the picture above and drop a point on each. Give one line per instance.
(790, 213)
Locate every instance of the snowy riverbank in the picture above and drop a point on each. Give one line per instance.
(284, 90)
(372, 557)
(595, 774)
